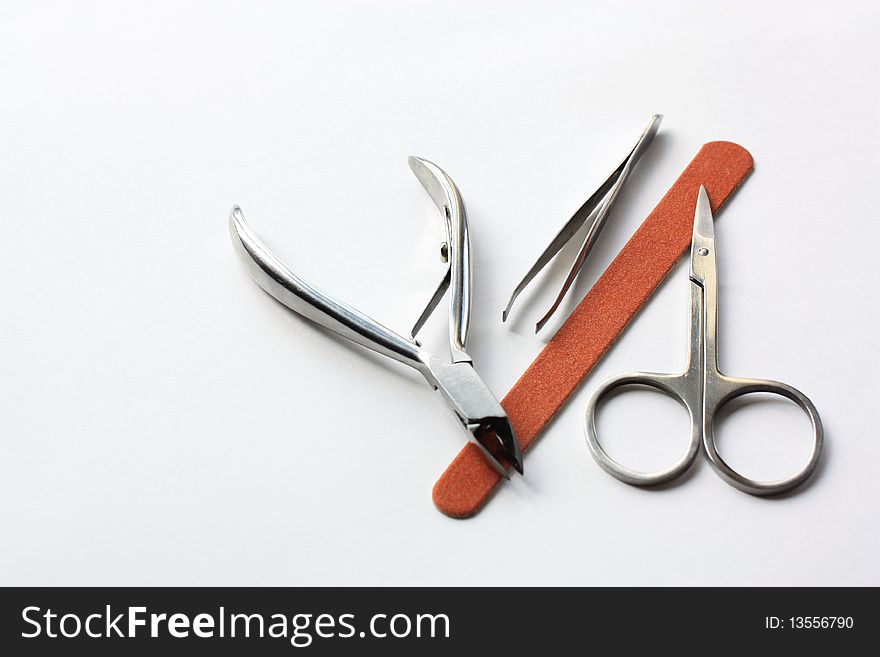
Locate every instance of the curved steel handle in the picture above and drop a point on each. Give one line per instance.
(726, 388)
(275, 278)
(447, 198)
(683, 388)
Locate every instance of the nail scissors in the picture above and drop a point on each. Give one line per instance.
(702, 388)
(465, 393)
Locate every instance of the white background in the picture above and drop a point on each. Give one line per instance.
(165, 422)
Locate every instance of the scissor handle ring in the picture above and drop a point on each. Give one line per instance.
(676, 386)
(728, 388)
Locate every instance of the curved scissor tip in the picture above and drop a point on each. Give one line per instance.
(703, 220)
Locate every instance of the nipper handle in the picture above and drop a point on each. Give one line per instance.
(275, 278)
(447, 198)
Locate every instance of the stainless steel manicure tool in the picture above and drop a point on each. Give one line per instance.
(465, 393)
(603, 199)
(702, 388)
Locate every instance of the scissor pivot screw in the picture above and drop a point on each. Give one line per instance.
(703, 251)
(444, 252)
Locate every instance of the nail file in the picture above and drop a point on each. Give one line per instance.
(598, 320)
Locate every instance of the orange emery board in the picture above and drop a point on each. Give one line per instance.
(594, 325)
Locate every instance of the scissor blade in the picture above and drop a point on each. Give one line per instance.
(703, 240)
(704, 224)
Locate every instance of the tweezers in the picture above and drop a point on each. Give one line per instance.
(603, 199)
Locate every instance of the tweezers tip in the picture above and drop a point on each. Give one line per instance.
(506, 312)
